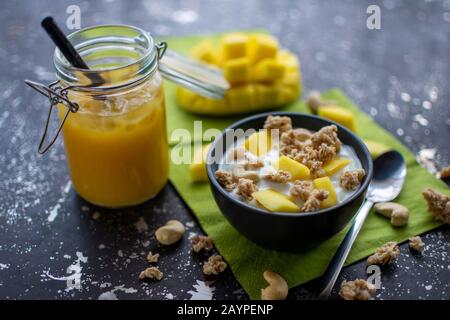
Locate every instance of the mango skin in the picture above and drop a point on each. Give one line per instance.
(376, 148)
(335, 165)
(197, 169)
(297, 170)
(326, 184)
(339, 115)
(275, 201)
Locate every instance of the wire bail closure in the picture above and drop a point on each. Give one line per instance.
(57, 94)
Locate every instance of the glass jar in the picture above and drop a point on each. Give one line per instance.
(116, 142)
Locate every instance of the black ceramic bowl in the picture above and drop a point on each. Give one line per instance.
(289, 231)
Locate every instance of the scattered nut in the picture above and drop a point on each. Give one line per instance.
(384, 254)
(314, 101)
(214, 265)
(438, 204)
(416, 243)
(170, 233)
(152, 258)
(399, 214)
(277, 289)
(445, 173)
(200, 243)
(151, 273)
(358, 289)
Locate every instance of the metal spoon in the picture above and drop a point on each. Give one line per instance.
(388, 177)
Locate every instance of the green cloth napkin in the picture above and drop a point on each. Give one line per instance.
(247, 260)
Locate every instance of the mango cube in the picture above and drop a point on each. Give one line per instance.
(335, 166)
(205, 52)
(326, 184)
(268, 70)
(197, 169)
(266, 95)
(237, 70)
(297, 170)
(259, 143)
(275, 201)
(339, 115)
(261, 46)
(241, 98)
(376, 148)
(233, 45)
(288, 59)
(285, 95)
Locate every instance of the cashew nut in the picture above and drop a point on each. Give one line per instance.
(399, 214)
(314, 101)
(277, 289)
(170, 233)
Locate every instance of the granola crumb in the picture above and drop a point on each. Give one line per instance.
(416, 243)
(276, 122)
(444, 173)
(214, 265)
(438, 204)
(358, 289)
(239, 172)
(314, 200)
(200, 243)
(350, 180)
(385, 254)
(326, 152)
(328, 136)
(225, 179)
(245, 189)
(152, 258)
(316, 169)
(151, 273)
(302, 189)
(279, 176)
(253, 164)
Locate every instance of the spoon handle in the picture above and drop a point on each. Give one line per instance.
(334, 268)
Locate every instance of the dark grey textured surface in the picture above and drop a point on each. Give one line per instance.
(399, 74)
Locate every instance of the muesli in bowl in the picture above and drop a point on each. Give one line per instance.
(283, 168)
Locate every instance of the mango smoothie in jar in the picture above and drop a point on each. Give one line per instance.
(116, 142)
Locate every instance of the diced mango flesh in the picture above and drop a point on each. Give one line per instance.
(268, 70)
(197, 169)
(259, 143)
(237, 70)
(233, 45)
(326, 184)
(275, 201)
(260, 76)
(297, 170)
(339, 115)
(335, 166)
(376, 148)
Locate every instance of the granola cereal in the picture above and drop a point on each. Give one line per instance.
(152, 258)
(237, 154)
(316, 169)
(438, 204)
(225, 179)
(307, 156)
(358, 289)
(302, 189)
(245, 189)
(279, 176)
(385, 254)
(252, 164)
(200, 243)
(350, 180)
(239, 172)
(445, 173)
(276, 122)
(416, 243)
(151, 273)
(214, 265)
(327, 135)
(326, 153)
(314, 200)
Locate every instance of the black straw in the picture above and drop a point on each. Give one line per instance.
(63, 43)
(67, 49)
